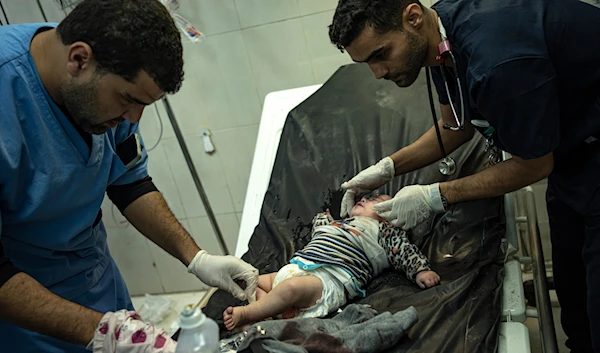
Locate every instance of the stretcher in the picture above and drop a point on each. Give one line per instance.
(512, 334)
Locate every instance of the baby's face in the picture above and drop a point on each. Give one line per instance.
(364, 207)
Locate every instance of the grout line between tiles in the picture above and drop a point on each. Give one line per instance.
(263, 24)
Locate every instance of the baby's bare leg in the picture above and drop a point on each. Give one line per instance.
(298, 292)
(265, 283)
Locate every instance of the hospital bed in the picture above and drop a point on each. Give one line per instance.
(512, 335)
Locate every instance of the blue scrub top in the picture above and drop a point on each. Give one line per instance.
(51, 189)
(531, 69)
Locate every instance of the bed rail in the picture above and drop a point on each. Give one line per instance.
(540, 281)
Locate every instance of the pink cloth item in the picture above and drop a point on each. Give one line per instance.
(125, 332)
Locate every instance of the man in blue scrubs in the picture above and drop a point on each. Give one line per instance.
(70, 100)
(531, 85)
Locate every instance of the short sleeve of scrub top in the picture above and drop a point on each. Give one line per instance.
(140, 169)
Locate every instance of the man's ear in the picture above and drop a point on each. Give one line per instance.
(79, 58)
(413, 16)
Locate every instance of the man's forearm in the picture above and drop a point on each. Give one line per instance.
(497, 180)
(151, 215)
(426, 149)
(26, 303)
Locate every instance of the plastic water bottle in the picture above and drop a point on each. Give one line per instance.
(199, 334)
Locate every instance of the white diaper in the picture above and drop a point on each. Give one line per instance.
(332, 298)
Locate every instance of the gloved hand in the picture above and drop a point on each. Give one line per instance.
(366, 181)
(125, 332)
(221, 271)
(412, 205)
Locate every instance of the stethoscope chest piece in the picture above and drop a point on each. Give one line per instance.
(447, 166)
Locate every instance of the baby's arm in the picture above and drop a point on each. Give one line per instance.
(322, 219)
(402, 254)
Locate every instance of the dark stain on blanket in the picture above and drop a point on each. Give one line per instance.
(317, 342)
(333, 202)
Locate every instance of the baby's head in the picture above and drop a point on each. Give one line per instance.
(364, 207)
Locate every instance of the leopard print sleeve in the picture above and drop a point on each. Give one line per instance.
(321, 219)
(401, 253)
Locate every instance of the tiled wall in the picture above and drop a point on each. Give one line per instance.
(251, 48)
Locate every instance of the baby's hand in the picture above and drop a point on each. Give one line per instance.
(328, 213)
(427, 279)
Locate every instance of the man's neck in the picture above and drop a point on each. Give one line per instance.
(435, 37)
(45, 49)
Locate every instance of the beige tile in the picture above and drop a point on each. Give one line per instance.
(132, 255)
(236, 150)
(223, 83)
(308, 7)
(210, 172)
(155, 125)
(202, 232)
(209, 16)
(230, 227)
(325, 67)
(53, 11)
(23, 11)
(192, 206)
(173, 274)
(162, 177)
(187, 104)
(279, 56)
(325, 57)
(259, 12)
(317, 35)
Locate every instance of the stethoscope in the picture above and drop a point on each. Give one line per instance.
(447, 165)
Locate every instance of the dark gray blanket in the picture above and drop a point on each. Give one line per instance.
(357, 329)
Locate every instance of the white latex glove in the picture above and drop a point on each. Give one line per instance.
(365, 182)
(125, 332)
(412, 205)
(221, 272)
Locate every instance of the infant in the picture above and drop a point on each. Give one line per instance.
(334, 266)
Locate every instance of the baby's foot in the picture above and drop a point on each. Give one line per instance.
(427, 279)
(234, 317)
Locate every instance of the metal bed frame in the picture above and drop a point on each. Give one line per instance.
(513, 334)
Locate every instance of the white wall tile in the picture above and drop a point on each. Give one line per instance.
(279, 56)
(173, 274)
(162, 177)
(325, 67)
(132, 255)
(229, 225)
(186, 104)
(209, 16)
(237, 159)
(325, 57)
(53, 11)
(203, 234)
(22, 11)
(210, 171)
(221, 77)
(150, 124)
(259, 12)
(308, 7)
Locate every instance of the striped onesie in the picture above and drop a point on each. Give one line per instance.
(354, 250)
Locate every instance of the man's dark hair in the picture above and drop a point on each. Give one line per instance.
(128, 36)
(352, 16)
